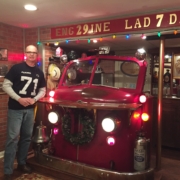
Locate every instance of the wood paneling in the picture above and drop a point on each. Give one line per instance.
(170, 122)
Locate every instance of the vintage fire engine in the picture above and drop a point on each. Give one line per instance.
(99, 121)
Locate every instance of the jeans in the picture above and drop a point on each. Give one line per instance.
(19, 132)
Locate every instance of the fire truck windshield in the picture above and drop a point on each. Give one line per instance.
(108, 72)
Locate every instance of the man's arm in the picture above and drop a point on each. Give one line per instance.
(7, 87)
(41, 93)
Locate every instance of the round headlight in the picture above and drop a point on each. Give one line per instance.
(108, 124)
(142, 98)
(53, 117)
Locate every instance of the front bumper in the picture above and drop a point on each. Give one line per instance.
(77, 170)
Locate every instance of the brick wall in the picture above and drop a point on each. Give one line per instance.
(48, 52)
(3, 120)
(11, 38)
(45, 34)
(31, 36)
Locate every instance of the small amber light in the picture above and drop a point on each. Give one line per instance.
(136, 115)
(175, 32)
(51, 99)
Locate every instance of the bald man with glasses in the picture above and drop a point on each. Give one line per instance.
(25, 84)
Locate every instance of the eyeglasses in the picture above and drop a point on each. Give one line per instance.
(29, 52)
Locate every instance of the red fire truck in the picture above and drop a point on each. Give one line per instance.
(99, 121)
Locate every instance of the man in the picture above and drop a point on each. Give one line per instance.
(25, 84)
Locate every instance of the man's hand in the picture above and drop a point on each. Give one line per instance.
(26, 101)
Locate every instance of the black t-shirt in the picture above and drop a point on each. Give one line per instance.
(26, 83)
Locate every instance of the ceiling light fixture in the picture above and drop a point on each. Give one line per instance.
(30, 7)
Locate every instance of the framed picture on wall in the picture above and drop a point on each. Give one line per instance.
(3, 54)
(176, 66)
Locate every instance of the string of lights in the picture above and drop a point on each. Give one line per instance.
(96, 39)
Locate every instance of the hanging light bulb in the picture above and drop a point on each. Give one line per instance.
(77, 41)
(143, 36)
(67, 41)
(94, 40)
(100, 38)
(159, 34)
(140, 54)
(167, 56)
(114, 36)
(127, 36)
(175, 32)
(56, 43)
(89, 40)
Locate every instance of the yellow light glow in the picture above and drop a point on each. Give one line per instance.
(136, 115)
(145, 117)
(175, 32)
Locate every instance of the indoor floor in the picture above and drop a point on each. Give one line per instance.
(170, 163)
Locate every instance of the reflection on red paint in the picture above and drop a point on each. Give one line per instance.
(51, 99)
(51, 93)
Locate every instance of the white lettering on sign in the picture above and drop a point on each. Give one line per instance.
(64, 31)
(83, 29)
(145, 22)
(159, 17)
(127, 26)
(153, 21)
(173, 19)
(137, 23)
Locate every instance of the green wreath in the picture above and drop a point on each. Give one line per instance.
(85, 136)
